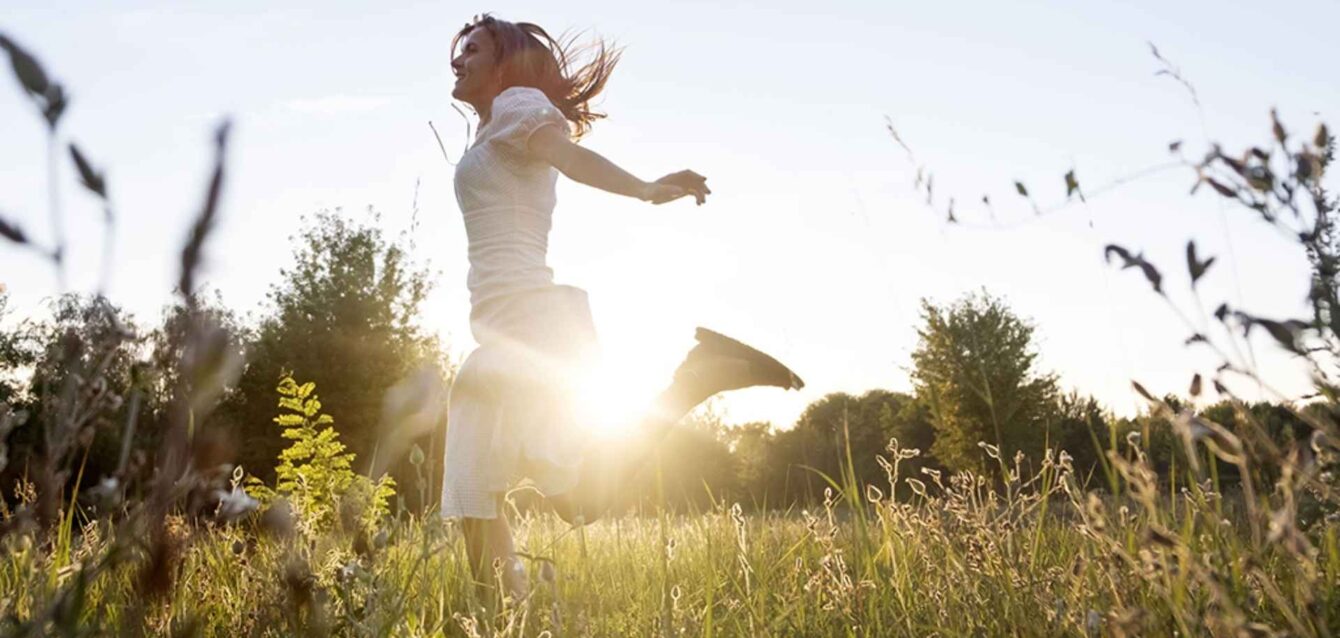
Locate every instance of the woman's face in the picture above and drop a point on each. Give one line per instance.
(478, 79)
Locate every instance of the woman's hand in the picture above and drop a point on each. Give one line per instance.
(675, 186)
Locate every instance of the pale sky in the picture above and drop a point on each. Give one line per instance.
(814, 245)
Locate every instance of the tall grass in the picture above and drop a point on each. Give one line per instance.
(958, 558)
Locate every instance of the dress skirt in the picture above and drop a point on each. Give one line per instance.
(512, 410)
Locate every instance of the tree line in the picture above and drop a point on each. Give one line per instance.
(344, 314)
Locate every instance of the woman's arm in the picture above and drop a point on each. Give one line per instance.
(591, 168)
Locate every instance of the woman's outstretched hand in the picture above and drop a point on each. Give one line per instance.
(675, 186)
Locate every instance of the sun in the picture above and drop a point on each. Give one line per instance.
(611, 399)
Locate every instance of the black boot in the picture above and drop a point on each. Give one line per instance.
(719, 364)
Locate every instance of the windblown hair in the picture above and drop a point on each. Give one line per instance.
(528, 56)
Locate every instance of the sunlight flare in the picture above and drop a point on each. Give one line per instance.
(611, 399)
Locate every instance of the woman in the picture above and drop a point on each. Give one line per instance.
(511, 411)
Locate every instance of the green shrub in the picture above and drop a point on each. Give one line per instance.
(315, 473)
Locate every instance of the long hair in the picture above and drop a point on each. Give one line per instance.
(528, 56)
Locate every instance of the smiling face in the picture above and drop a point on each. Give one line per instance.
(478, 75)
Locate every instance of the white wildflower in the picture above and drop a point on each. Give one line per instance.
(234, 504)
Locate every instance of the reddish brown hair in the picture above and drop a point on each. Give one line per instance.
(529, 56)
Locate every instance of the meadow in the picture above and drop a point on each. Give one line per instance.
(1040, 558)
(1184, 526)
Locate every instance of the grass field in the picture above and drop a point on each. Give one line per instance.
(1040, 557)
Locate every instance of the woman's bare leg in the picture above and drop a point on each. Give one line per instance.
(602, 473)
(489, 541)
(715, 365)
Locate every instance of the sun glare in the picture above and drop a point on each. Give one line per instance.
(611, 400)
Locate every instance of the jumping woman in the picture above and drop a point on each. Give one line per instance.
(512, 412)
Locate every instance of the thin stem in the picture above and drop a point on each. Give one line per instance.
(1102, 189)
(57, 221)
(108, 248)
(440, 144)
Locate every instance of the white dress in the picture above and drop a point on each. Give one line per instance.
(511, 412)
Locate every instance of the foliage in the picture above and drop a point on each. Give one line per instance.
(1081, 427)
(84, 355)
(343, 315)
(17, 352)
(974, 368)
(315, 473)
(169, 340)
(84, 374)
(834, 432)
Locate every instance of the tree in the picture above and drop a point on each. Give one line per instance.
(974, 368)
(1080, 427)
(914, 431)
(170, 339)
(17, 353)
(83, 364)
(694, 466)
(752, 446)
(836, 433)
(344, 315)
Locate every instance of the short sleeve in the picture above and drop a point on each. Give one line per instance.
(520, 111)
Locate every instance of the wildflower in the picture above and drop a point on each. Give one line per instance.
(512, 573)
(873, 494)
(884, 463)
(234, 504)
(347, 571)
(106, 494)
(917, 486)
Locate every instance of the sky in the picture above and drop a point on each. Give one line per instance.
(814, 246)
